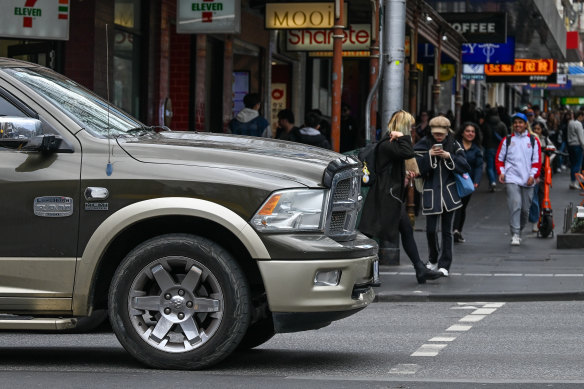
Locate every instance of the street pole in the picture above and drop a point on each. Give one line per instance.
(337, 75)
(393, 54)
(394, 36)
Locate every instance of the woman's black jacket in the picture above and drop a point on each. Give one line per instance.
(440, 193)
(381, 211)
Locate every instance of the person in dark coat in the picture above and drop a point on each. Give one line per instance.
(469, 136)
(493, 131)
(384, 215)
(439, 156)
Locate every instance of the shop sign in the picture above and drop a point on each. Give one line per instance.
(297, 16)
(479, 27)
(523, 67)
(482, 53)
(546, 79)
(473, 72)
(346, 54)
(572, 100)
(208, 16)
(33, 19)
(356, 38)
(558, 86)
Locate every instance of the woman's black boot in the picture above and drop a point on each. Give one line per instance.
(423, 274)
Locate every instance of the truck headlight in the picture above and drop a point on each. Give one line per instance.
(291, 210)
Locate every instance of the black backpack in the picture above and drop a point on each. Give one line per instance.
(367, 155)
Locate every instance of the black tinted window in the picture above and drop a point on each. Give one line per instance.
(9, 109)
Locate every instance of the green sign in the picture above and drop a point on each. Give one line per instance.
(572, 100)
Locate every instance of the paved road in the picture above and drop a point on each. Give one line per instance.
(487, 267)
(392, 345)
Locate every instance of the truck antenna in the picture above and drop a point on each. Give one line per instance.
(109, 167)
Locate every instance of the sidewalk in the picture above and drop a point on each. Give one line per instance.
(486, 267)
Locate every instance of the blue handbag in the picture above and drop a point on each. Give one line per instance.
(464, 184)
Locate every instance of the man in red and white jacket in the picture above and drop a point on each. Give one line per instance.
(518, 163)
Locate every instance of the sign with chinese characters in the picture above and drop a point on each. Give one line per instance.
(523, 67)
(32, 19)
(208, 16)
(356, 38)
(497, 53)
(479, 27)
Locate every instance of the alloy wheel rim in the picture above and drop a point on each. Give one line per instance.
(175, 304)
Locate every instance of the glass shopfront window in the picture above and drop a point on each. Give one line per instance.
(126, 56)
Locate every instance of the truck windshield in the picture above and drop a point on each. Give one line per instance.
(91, 111)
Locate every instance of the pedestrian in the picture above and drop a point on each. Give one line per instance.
(469, 136)
(518, 165)
(575, 134)
(493, 130)
(384, 203)
(248, 121)
(349, 130)
(309, 134)
(439, 156)
(286, 129)
(422, 128)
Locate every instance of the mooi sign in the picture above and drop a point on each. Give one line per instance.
(302, 15)
(356, 38)
(33, 19)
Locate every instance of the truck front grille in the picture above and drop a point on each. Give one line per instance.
(344, 205)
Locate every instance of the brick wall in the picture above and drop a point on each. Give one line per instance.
(179, 76)
(79, 49)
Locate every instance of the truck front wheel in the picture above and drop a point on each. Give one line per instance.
(179, 301)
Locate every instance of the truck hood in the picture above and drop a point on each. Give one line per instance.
(286, 160)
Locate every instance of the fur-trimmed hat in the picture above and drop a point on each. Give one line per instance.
(440, 124)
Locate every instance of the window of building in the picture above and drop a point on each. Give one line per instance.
(126, 56)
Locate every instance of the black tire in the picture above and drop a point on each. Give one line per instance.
(179, 301)
(546, 226)
(257, 334)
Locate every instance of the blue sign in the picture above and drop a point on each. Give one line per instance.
(496, 53)
(426, 54)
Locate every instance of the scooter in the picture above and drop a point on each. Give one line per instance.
(545, 223)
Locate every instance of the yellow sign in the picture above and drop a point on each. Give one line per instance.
(302, 15)
(447, 71)
(523, 67)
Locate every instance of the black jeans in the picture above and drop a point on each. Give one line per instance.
(460, 214)
(407, 238)
(432, 235)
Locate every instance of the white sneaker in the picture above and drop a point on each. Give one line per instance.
(515, 240)
(443, 271)
(535, 229)
(573, 185)
(432, 266)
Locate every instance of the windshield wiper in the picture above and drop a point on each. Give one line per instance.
(139, 131)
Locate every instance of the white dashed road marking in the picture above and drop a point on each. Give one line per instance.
(406, 273)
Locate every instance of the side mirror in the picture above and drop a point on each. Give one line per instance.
(16, 132)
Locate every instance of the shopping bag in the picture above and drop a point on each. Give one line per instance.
(464, 184)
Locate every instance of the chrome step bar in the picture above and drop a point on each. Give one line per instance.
(27, 323)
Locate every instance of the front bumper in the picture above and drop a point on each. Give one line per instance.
(290, 285)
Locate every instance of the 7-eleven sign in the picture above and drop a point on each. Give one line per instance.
(208, 16)
(46, 19)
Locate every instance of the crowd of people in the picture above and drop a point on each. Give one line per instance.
(509, 148)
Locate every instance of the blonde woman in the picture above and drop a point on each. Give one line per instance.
(384, 215)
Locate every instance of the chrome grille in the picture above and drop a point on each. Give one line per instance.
(344, 205)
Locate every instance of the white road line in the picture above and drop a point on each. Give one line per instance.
(404, 368)
(458, 328)
(508, 274)
(429, 350)
(539, 275)
(493, 305)
(478, 274)
(472, 318)
(442, 339)
(408, 273)
(484, 311)
(568, 275)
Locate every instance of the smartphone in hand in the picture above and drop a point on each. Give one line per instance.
(437, 146)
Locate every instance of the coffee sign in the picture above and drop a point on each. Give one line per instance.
(479, 27)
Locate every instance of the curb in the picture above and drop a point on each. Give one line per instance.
(492, 297)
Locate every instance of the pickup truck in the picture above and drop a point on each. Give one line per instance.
(192, 244)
